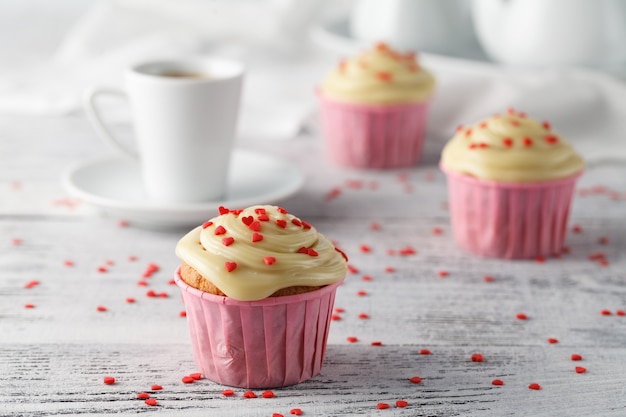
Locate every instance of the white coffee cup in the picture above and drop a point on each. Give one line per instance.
(184, 115)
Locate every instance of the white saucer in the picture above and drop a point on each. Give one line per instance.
(113, 185)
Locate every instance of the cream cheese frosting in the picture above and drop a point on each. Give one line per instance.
(379, 76)
(511, 148)
(250, 254)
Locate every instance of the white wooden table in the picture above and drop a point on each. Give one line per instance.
(55, 355)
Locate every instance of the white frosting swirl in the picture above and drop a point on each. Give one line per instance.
(270, 250)
(379, 76)
(511, 148)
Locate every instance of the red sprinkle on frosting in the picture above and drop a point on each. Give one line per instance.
(269, 260)
(227, 241)
(222, 210)
(230, 266)
(219, 230)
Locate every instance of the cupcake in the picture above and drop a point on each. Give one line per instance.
(373, 109)
(258, 286)
(510, 185)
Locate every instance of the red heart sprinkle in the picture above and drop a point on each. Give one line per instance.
(376, 343)
(228, 393)
(401, 403)
(620, 313)
(269, 260)
(151, 402)
(552, 340)
(508, 142)
(415, 380)
(108, 380)
(101, 308)
(382, 406)
(196, 376)
(303, 250)
(143, 395)
(222, 210)
(605, 312)
(230, 266)
(521, 316)
(263, 218)
(477, 357)
(546, 125)
(281, 223)
(534, 386)
(255, 226)
(295, 411)
(29, 305)
(311, 252)
(187, 380)
(219, 230)
(207, 224)
(227, 241)
(424, 352)
(305, 225)
(576, 357)
(497, 382)
(551, 139)
(281, 210)
(247, 220)
(156, 387)
(259, 210)
(256, 237)
(267, 394)
(249, 394)
(580, 370)
(527, 142)
(352, 339)
(296, 222)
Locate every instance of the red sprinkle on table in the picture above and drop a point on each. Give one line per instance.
(249, 394)
(603, 240)
(366, 278)
(151, 402)
(382, 406)
(256, 237)
(407, 250)
(488, 278)
(552, 340)
(187, 380)
(605, 312)
(352, 339)
(156, 387)
(101, 308)
(143, 395)
(142, 283)
(442, 274)
(580, 370)
(534, 386)
(182, 314)
(363, 316)
(335, 317)
(364, 248)
(130, 300)
(576, 357)
(477, 357)
(31, 284)
(196, 375)
(415, 380)
(361, 293)
(497, 382)
(29, 305)
(227, 241)
(228, 393)
(67, 262)
(376, 343)
(267, 394)
(108, 380)
(102, 269)
(521, 316)
(352, 269)
(230, 266)
(576, 229)
(424, 352)
(375, 226)
(390, 269)
(151, 293)
(620, 313)
(437, 231)
(277, 415)
(401, 403)
(295, 411)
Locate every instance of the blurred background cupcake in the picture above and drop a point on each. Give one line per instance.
(373, 109)
(510, 185)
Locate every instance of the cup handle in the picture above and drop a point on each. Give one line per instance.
(93, 114)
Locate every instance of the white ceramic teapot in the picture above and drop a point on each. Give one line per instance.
(552, 32)
(437, 26)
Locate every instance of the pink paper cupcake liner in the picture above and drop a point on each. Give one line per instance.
(270, 343)
(509, 220)
(375, 136)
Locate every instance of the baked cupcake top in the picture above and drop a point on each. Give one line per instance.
(249, 254)
(379, 76)
(510, 148)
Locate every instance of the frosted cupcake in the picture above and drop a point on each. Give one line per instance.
(510, 185)
(373, 109)
(258, 286)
